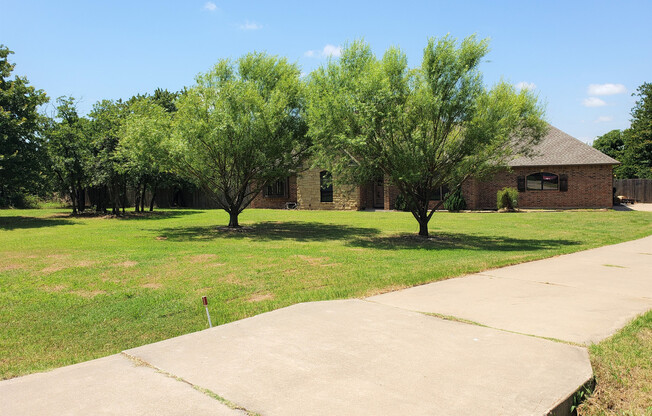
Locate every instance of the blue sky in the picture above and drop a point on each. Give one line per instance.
(584, 59)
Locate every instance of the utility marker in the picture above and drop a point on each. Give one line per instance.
(204, 300)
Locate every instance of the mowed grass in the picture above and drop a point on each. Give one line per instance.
(77, 288)
(623, 370)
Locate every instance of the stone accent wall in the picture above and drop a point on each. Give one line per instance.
(275, 202)
(309, 195)
(589, 186)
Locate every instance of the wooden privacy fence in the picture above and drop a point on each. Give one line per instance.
(637, 189)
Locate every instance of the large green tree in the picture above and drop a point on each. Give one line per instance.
(638, 148)
(142, 149)
(22, 159)
(69, 149)
(240, 128)
(422, 128)
(108, 173)
(632, 147)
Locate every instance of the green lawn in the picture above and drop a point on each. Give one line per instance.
(623, 370)
(75, 288)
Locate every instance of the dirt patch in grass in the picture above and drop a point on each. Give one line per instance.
(201, 258)
(86, 263)
(233, 279)
(59, 256)
(216, 264)
(313, 261)
(88, 294)
(259, 297)
(53, 268)
(127, 264)
(11, 266)
(55, 288)
(151, 285)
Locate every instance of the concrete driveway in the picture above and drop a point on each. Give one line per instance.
(381, 355)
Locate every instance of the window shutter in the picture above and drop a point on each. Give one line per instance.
(521, 184)
(563, 183)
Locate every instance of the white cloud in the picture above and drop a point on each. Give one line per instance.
(603, 119)
(606, 89)
(329, 50)
(332, 50)
(526, 86)
(250, 26)
(210, 6)
(593, 102)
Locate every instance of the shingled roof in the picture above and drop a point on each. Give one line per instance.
(558, 148)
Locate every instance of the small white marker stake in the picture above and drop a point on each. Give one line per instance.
(204, 300)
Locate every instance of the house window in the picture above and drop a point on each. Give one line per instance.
(277, 189)
(440, 193)
(326, 186)
(542, 181)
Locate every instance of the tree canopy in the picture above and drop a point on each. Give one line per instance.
(22, 159)
(240, 128)
(632, 147)
(423, 128)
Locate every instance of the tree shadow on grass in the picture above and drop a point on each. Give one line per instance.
(271, 231)
(20, 222)
(459, 241)
(131, 215)
(156, 215)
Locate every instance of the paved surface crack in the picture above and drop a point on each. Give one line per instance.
(139, 362)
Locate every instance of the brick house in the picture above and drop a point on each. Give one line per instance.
(563, 173)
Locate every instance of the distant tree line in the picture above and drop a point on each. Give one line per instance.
(248, 122)
(632, 147)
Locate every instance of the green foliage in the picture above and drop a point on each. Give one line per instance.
(240, 128)
(639, 144)
(633, 146)
(423, 128)
(507, 199)
(70, 151)
(454, 201)
(141, 149)
(401, 204)
(22, 159)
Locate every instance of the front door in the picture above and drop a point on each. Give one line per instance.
(379, 193)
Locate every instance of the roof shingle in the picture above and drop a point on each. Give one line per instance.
(558, 148)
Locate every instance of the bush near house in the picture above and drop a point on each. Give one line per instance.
(455, 201)
(507, 199)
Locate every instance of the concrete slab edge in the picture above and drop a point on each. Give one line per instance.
(566, 407)
(200, 389)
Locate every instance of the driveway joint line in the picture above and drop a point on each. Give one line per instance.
(140, 362)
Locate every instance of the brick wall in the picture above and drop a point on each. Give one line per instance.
(391, 192)
(589, 186)
(275, 202)
(309, 194)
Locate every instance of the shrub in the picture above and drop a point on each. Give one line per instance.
(507, 199)
(400, 204)
(455, 201)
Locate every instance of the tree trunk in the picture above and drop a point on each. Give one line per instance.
(233, 220)
(151, 204)
(124, 196)
(423, 228)
(142, 197)
(137, 198)
(73, 200)
(81, 199)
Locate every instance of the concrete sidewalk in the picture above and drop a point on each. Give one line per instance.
(582, 297)
(376, 356)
